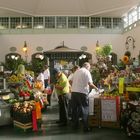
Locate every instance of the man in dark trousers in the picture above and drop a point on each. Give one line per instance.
(62, 88)
(81, 84)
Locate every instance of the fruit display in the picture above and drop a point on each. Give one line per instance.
(22, 111)
(15, 78)
(38, 85)
(20, 83)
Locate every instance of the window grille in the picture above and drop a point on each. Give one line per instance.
(84, 22)
(26, 22)
(132, 16)
(15, 23)
(72, 22)
(38, 22)
(95, 22)
(61, 22)
(4, 22)
(106, 22)
(50, 22)
(117, 23)
(139, 12)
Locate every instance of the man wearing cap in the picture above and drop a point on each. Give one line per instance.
(62, 88)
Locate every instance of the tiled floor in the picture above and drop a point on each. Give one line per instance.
(50, 131)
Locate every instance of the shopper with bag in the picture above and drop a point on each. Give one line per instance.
(62, 88)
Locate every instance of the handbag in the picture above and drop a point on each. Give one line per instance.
(54, 96)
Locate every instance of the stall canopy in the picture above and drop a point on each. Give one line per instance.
(64, 52)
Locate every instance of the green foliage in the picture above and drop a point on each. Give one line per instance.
(99, 51)
(107, 49)
(96, 76)
(37, 65)
(104, 51)
(21, 69)
(12, 64)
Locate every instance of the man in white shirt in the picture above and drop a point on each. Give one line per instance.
(47, 82)
(81, 84)
(76, 67)
(46, 76)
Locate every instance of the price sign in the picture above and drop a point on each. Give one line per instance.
(108, 109)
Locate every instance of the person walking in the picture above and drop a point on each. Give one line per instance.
(81, 84)
(62, 88)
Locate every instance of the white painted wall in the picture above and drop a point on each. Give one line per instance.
(50, 41)
(135, 33)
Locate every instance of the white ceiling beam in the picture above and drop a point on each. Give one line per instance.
(17, 11)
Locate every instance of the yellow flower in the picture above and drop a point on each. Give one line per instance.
(125, 59)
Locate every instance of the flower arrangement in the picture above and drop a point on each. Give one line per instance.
(125, 59)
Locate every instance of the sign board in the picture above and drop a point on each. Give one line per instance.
(108, 110)
(121, 85)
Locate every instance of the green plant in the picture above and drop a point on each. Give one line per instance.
(12, 64)
(37, 65)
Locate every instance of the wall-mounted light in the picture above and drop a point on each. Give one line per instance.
(14, 57)
(83, 56)
(40, 56)
(24, 47)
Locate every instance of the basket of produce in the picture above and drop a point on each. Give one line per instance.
(22, 111)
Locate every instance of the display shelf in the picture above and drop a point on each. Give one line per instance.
(133, 89)
(23, 126)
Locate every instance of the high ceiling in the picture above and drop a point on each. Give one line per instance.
(113, 8)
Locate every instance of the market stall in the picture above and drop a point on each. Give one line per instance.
(21, 100)
(65, 57)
